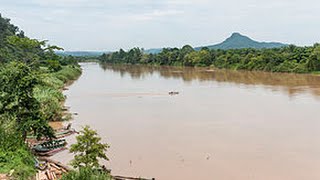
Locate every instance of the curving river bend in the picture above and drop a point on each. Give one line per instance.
(224, 125)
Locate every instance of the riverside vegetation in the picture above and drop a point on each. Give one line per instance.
(88, 150)
(32, 77)
(284, 59)
(31, 80)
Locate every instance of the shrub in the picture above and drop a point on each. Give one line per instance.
(87, 174)
(14, 155)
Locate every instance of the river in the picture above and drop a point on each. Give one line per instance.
(223, 125)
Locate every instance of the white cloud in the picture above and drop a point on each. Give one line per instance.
(110, 24)
(156, 14)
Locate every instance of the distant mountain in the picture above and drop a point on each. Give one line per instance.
(235, 41)
(153, 51)
(238, 41)
(81, 53)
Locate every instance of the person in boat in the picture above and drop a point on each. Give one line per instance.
(173, 93)
(68, 126)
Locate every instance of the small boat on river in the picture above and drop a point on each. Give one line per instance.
(59, 133)
(49, 148)
(173, 93)
(63, 132)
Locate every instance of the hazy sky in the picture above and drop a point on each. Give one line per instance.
(114, 24)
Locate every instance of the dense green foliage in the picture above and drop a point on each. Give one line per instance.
(14, 154)
(49, 94)
(67, 73)
(17, 100)
(31, 79)
(7, 29)
(28, 100)
(87, 174)
(285, 59)
(88, 149)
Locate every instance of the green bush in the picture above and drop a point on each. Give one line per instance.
(49, 93)
(54, 65)
(52, 81)
(87, 174)
(49, 99)
(14, 155)
(68, 73)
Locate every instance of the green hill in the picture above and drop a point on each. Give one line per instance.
(238, 41)
(235, 41)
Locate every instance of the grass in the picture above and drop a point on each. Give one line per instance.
(49, 99)
(49, 94)
(68, 73)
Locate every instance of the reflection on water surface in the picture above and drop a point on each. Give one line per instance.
(225, 125)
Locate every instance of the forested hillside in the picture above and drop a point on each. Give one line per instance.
(239, 41)
(235, 41)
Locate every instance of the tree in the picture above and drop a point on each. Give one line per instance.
(88, 149)
(186, 49)
(6, 29)
(17, 100)
(54, 65)
(313, 63)
(205, 58)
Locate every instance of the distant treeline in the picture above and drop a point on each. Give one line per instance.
(287, 59)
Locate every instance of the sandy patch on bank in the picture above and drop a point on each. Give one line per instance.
(56, 124)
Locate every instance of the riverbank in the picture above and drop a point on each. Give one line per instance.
(50, 95)
(15, 157)
(60, 80)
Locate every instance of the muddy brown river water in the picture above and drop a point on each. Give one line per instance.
(223, 125)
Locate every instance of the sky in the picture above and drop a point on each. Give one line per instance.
(113, 24)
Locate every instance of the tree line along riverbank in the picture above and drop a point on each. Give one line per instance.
(30, 99)
(32, 77)
(290, 58)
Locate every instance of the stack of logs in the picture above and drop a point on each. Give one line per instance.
(53, 170)
(3, 177)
